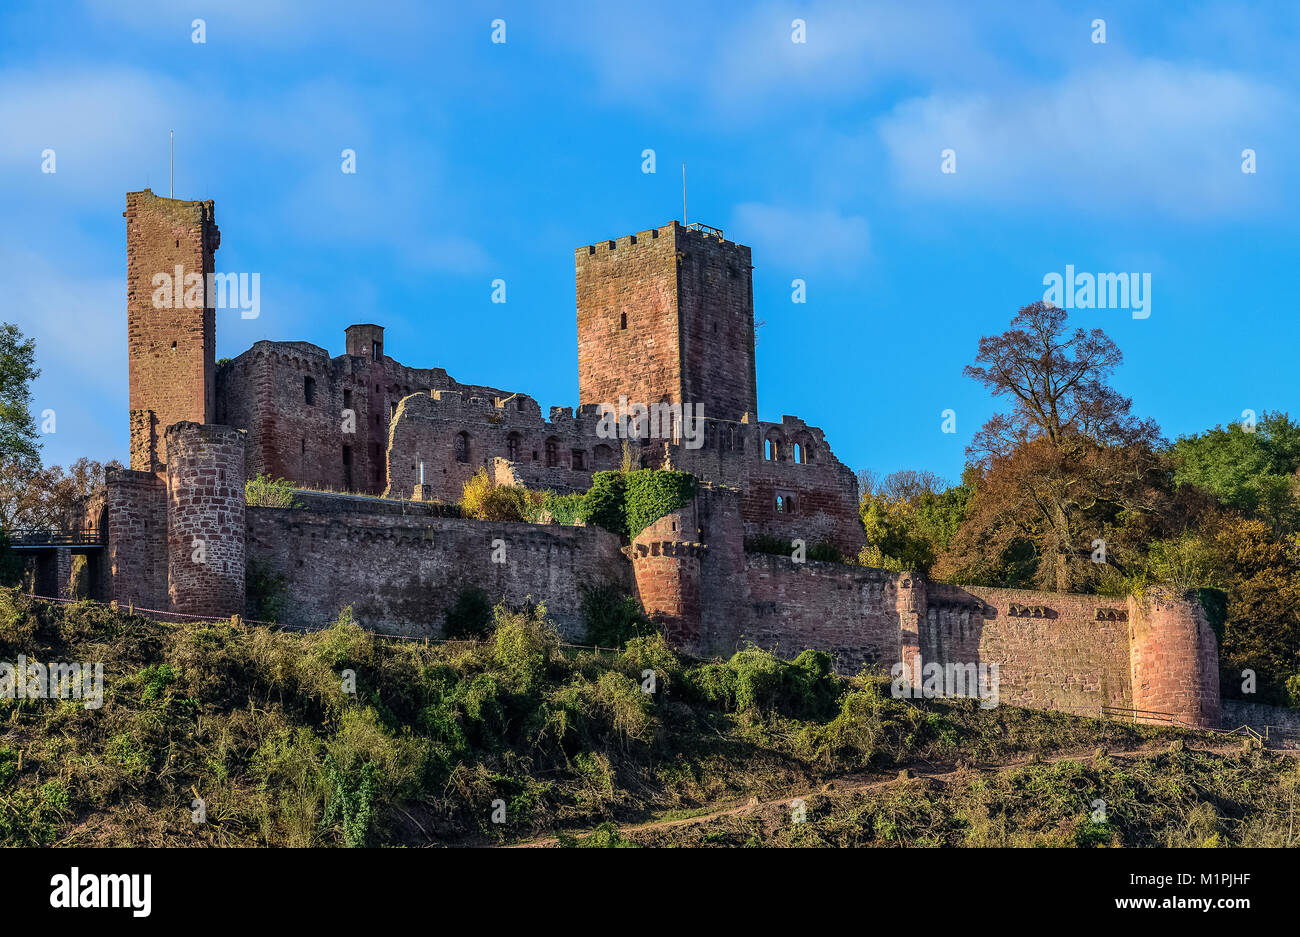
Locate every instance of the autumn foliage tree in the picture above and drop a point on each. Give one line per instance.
(1068, 477)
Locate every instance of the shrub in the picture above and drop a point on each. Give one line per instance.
(612, 618)
(769, 544)
(565, 509)
(605, 502)
(265, 590)
(652, 493)
(483, 499)
(266, 492)
(823, 551)
(756, 684)
(1292, 689)
(523, 646)
(470, 616)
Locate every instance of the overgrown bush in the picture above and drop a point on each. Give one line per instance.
(652, 493)
(565, 509)
(605, 503)
(612, 617)
(470, 616)
(823, 551)
(266, 492)
(483, 499)
(756, 684)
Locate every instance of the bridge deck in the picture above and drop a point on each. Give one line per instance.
(87, 538)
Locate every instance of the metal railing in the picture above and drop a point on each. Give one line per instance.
(705, 229)
(57, 537)
(1145, 716)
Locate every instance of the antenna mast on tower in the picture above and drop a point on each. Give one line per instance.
(683, 193)
(171, 172)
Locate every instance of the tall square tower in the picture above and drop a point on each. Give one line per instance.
(170, 319)
(667, 315)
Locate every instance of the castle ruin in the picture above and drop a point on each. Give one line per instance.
(665, 317)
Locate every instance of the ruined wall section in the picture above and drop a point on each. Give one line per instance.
(136, 518)
(818, 494)
(455, 435)
(291, 397)
(402, 572)
(170, 348)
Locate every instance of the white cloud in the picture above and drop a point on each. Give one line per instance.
(1140, 136)
(803, 240)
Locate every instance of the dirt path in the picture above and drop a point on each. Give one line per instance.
(853, 783)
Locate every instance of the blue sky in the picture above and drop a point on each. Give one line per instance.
(478, 161)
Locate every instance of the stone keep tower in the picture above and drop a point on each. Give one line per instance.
(171, 346)
(667, 315)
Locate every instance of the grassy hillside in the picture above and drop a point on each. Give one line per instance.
(437, 739)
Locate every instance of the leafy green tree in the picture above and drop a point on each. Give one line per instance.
(909, 518)
(1251, 472)
(18, 442)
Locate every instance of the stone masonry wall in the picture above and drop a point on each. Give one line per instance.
(1054, 651)
(1175, 657)
(136, 515)
(205, 519)
(171, 363)
(628, 324)
(402, 572)
(666, 562)
(715, 293)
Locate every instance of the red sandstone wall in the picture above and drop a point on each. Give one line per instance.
(402, 572)
(1174, 660)
(634, 276)
(205, 519)
(689, 336)
(788, 607)
(666, 560)
(715, 293)
(136, 515)
(171, 361)
(1068, 660)
(425, 428)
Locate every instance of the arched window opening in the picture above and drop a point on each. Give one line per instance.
(552, 453)
(512, 447)
(462, 447)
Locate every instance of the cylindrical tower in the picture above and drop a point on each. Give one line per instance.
(666, 562)
(205, 519)
(1174, 659)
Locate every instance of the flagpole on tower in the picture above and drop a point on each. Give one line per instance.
(171, 173)
(683, 193)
